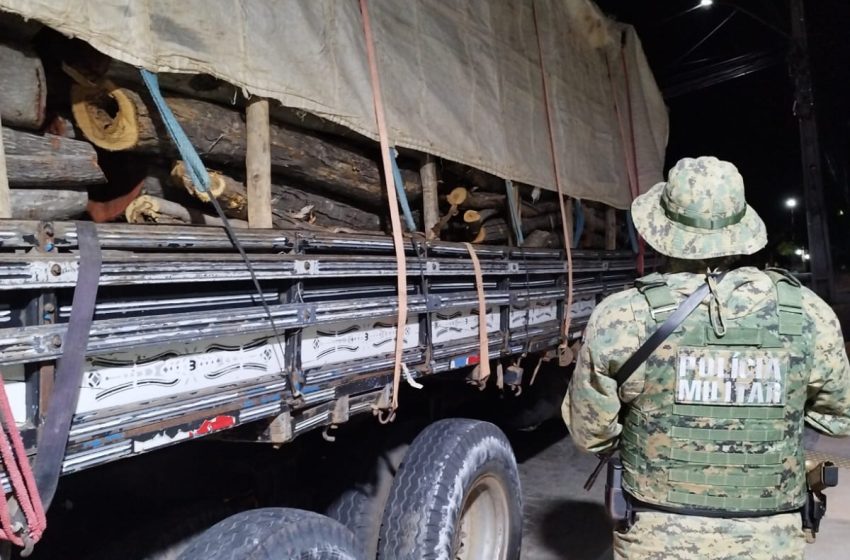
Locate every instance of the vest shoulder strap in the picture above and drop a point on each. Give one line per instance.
(658, 296)
(789, 301)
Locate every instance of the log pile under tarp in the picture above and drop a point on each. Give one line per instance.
(83, 136)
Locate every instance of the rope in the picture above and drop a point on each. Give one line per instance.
(22, 481)
(483, 340)
(201, 179)
(565, 329)
(395, 219)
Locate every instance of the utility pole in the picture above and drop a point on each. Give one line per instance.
(818, 231)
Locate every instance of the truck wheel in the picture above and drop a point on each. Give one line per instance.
(361, 507)
(272, 534)
(456, 496)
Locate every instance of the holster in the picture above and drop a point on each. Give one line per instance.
(813, 511)
(617, 503)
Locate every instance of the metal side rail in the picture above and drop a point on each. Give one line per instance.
(180, 347)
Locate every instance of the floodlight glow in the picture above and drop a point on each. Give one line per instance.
(799, 252)
(791, 203)
(706, 3)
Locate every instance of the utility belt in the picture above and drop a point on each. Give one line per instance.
(623, 508)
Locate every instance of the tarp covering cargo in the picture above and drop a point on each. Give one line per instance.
(461, 80)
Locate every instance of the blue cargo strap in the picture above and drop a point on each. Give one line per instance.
(402, 195)
(512, 207)
(201, 179)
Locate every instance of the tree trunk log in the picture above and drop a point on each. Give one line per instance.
(287, 202)
(476, 200)
(539, 238)
(48, 204)
(33, 160)
(210, 88)
(148, 209)
(219, 135)
(23, 89)
(230, 193)
(497, 229)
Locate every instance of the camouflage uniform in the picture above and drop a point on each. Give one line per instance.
(619, 325)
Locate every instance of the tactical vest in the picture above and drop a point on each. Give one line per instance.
(718, 426)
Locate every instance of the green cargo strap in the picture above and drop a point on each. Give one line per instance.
(789, 302)
(730, 412)
(729, 503)
(658, 296)
(743, 480)
(717, 434)
(719, 458)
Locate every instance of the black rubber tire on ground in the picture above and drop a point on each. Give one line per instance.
(274, 534)
(361, 507)
(439, 478)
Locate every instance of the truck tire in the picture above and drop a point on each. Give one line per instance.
(361, 507)
(456, 496)
(273, 534)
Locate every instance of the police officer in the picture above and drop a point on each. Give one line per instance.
(710, 427)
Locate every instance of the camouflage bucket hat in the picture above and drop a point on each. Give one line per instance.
(699, 213)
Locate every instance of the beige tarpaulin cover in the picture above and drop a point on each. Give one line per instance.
(461, 79)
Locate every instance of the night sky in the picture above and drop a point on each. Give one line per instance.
(749, 119)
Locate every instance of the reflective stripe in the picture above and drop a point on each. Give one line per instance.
(727, 503)
(716, 434)
(718, 458)
(725, 479)
(730, 412)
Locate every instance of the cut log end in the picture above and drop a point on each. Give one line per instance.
(142, 210)
(471, 216)
(457, 197)
(107, 115)
(180, 177)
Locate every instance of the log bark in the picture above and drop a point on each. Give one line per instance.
(219, 135)
(497, 229)
(610, 229)
(536, 209)
(35, 160)
(23, 89)
(540, 238)
(48, 204)
(287, 202)
(476, 200)
(149, 209)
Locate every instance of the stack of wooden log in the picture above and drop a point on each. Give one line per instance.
(82, 139)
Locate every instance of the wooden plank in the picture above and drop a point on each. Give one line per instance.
(610, 229)
(5, 197)
(258, 164)
(430, 197)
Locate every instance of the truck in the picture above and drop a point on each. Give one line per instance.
(251, 357)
